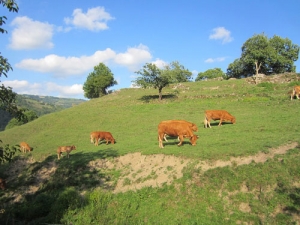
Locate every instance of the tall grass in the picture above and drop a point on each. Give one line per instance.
(257, 193)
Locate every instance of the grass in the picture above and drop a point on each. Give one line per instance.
(266, 118)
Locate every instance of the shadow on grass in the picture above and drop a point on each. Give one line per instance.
(148, 98)
(59, 184)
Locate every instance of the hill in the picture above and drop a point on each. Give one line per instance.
(41, 105)
(243, 173)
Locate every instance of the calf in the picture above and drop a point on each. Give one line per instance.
(66, 149)
(176, 129)
(295, 92)
(24, 147)
(2, 184)
(98, 136)
(221, 115)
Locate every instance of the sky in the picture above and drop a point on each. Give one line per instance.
(54, 45)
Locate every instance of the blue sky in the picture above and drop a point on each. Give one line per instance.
(53, 45)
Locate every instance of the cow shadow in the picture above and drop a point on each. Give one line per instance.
(148, 98)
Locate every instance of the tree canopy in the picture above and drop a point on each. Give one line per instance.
(98, 82)
(270, 56)
(210, 74)
(152, 76)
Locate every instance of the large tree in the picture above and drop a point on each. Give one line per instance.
(98, 82)
(210, 74)
(263, 55)
(152, 76)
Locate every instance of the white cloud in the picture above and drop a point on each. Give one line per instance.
(95, 19)
(220, 33)
(45, 89)
(30, 34)
(61, 66)
(211, 60)
(133, 57)
(160, 63)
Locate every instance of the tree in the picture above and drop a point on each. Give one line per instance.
(267, 56)
(210, 74)
(177, 72)
(152, 76)
(7, 96)
(98, 82)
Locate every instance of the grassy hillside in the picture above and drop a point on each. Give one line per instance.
(266, 118)
(41, 105)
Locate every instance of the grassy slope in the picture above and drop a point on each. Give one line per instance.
(265, 118)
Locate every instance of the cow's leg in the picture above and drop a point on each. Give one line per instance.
(107, 141)
(181, 140)
(220, 124)
(208, 122)
(165, 137)
(160, 138)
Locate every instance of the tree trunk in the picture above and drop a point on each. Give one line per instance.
(257, 67)
(160, 94)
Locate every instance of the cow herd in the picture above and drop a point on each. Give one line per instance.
(175, 128)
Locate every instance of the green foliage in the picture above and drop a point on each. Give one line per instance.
(275, 55)
(210, 74)
(7, 152)
(98, 82)
(152, 76)
(28, 116)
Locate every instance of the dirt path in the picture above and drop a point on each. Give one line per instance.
(140, 171)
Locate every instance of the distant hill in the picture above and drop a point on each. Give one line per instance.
(41, 105)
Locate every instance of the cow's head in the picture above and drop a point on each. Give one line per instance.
(194, 139)
(73, 147)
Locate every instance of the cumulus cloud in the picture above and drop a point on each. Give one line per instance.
(45, 89)
(160, 63)
(220, 33)
(61, 66)
(133, 57)
(211, 60)
(30, 34)
(94, 19)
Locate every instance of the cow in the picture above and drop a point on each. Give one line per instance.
(176, 128)
(66, 149)
(24, 147)
(221, 115)
(192, 126)
(97, 136)
(295, 92)
(2, 184)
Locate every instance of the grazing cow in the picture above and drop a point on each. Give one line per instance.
(295, 92)
(221, 115)
(2, 184)
(176, 129)
(192, 126)
(24, 147)
(66, 149)
(98, 136)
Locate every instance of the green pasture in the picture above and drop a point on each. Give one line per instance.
(265, 118)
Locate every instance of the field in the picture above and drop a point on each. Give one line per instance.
(243, 173)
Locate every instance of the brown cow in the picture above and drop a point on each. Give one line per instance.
(24, 147)
(97, 136)
(66, 149)
(176, 129)
(192, 126)
(295, 92)
(2, 184)
(221, 115)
